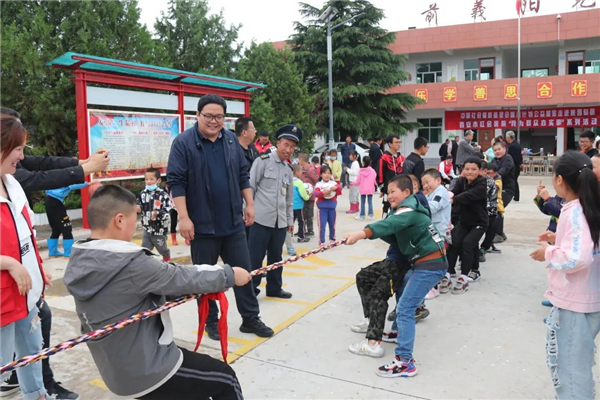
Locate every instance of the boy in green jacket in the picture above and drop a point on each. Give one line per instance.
(410, 227)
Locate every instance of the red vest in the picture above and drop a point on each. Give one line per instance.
(13, 306)
(447, 168)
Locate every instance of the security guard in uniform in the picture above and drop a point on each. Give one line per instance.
(271, 180)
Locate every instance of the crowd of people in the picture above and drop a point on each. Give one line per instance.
(239, 198)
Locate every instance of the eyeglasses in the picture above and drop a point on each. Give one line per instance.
(210, 117)
(396, 142)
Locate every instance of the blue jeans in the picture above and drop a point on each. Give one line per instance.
(24, 338)
(327, 216)
(417, 283)
(369, 198)
(570, 352)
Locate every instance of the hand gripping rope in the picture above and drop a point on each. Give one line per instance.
(202, 313)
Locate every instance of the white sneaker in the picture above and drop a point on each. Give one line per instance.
(362, 348)
(359, 217)
(433, 293)
(361, 327)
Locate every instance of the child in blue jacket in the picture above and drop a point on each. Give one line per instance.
(59, 219)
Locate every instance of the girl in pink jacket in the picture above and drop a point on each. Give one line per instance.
(574, 278)
(366, 180)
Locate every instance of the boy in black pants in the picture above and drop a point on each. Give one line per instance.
(470, 202)
(111, 278)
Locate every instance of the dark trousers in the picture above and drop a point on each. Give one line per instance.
(233, 249)
(199, 377)
(465, 243)
(309, 214)
(173, 214)
(517, 190)
(490, 233)
(270, 241)
(299, 216)
(376, 284)
(58, 218)
(506, 199)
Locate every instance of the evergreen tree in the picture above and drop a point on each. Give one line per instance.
(285, 99)
(364, 69)
(35, 32)
(196, 41)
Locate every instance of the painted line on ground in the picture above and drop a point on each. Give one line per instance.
(364, 258)
(289, 301)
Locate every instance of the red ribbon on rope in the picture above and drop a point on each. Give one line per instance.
(222, 325)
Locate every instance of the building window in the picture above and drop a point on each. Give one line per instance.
(431, 129)
(429, 73)
(486, 68)
(471, 70)
(534, 72)
(592, 62)
(575, 61)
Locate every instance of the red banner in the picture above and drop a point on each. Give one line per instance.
(564, 117)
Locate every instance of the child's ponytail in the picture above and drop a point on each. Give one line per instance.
(576, 170)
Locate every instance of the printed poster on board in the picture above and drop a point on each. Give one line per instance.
(137, 141)
(229, 123)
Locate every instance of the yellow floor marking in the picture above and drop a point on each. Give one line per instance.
(46, 297)
(248, 347)
(99, 383)
(364, 258)
(180, 259)
(298, 302)
(315, 259)
(302, 267)
(293, 273)
(344, 278)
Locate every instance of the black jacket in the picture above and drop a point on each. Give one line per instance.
(414, 165)
(187, 175)
(591, 152)
(470, 200)
(375, 154)
(506, 169)
(454, 151)
(443, 151)
(514, 149)
(251, 154)
(45, 173)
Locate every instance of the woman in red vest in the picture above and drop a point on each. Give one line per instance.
(22, 277)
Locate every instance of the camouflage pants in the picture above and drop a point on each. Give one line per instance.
(376, 284)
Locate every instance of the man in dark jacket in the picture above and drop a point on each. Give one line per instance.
(390, 166)
(207, 171)
(346, 149)
(375, 153)
(454, 152)
(245, 131)
(506, 169)
(414, 163)
(443, 153)
(514, 150)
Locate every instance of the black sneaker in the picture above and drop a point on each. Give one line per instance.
(282, 294)
(56, 391)
(494, 250)
(212, 330)
(392, 316)
(10, 386)
(421, 313)
(311, 234)
(474, 276)
(256, 326)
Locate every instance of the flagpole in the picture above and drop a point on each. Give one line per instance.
(519, 77)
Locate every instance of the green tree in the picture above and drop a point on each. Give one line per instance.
(35, 32)
(285, 99)
(364, 69)
(196, 41)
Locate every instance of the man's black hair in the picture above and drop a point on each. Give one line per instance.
(315, 159)
(154, 171)
(420, 142)
(212, 99)
(588, 135)
(241, 124)
(391, 138)
(473, 160)
(402, 182)
(108, 201)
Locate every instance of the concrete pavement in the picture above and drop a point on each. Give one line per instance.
(487, 343)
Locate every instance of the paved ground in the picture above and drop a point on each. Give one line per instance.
(488, 343)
